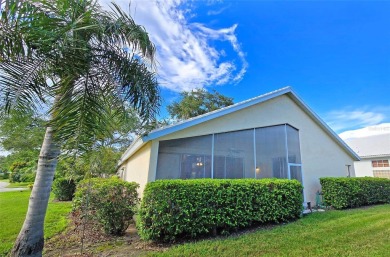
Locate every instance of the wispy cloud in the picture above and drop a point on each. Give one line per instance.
(186, 52)
(351, 119)
(218, 11)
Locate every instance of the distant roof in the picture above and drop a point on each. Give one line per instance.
(371, 146)
(157, 133)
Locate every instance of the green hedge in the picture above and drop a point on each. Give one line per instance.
(64, 189)
(111, 202)
(173, 209)
(342, 193)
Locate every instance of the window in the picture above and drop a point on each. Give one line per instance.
(380, 163)
(382, 173)
(233, 154)
(122, 173)
(271, 152)
(195, 166)
(185, 158)
(294, 152)
(267, 152)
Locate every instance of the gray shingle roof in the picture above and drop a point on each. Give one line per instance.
(378, 145)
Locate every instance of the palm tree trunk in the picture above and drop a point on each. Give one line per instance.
(30, 240)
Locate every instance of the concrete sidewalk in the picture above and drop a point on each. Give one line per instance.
(3, 188)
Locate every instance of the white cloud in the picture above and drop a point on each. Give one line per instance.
(380, 129)
(342, 120)
(185, 54)
(219, 11)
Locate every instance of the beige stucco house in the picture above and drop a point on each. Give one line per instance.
(374, 152)
(272, 135)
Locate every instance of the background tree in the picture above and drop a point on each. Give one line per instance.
(78, 59)
(21, 136)
(197, 102)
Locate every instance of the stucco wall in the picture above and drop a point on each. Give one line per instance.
(321, 155)
(137, 167)
(364, 167)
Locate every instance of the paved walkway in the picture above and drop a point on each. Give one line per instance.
(4, 189)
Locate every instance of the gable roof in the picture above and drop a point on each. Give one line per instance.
(157, 133)
(371, 146)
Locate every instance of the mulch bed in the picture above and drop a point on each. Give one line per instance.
(86, 238)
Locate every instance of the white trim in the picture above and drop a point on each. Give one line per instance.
(212, 156)
(376, 156)
(289, 175)
(214, 114)
(254, 150)
(286, 142)
(135, 146)
(323, 125)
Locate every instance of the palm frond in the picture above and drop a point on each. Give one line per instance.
(79, 115)
(120, 29)
(23, 83)
(131, 78)
(97, 60)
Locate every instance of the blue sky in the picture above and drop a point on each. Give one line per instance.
(335, 54)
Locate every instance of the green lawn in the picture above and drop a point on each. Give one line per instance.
(357, 232)
(13, 208)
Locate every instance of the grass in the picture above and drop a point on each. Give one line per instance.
(19, 185)
(12, 213)
(356, 232)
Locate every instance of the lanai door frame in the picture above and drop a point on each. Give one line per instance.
(289, 165)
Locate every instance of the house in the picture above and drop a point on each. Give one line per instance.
(374, 152)
(272, 135)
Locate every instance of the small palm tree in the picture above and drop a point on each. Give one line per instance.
(76, 58)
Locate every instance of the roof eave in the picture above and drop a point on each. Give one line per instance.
(137, 144)
(324, 126)
(215, 114)
(375, 156)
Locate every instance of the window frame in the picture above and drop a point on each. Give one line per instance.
(214, 155)
(380, 163)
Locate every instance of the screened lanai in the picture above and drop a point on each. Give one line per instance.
(267, 152)
(275, 135)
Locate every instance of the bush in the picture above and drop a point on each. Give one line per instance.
(4, 175)
(342, 193)
(22, 171)
(20, 176)
(64, 189)
(28, 177)
(111, 202)
(14, 177)
(173, 209)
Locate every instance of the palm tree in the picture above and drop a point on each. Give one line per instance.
(76, 58)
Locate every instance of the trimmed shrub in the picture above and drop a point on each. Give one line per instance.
(341, 193)
(111, 202)
(173, 209)
(64, 189)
